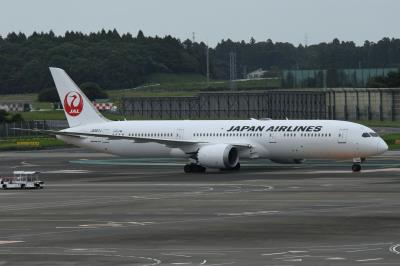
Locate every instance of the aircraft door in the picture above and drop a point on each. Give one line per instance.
(179, 133)
(342, 136)
(271, 137)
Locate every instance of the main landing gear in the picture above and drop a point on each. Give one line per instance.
(194, 168)
(236, 168)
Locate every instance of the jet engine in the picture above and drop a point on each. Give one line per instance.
(288, 161)
(222, 156)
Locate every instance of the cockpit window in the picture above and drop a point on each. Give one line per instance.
(365, 135)
(373, 134)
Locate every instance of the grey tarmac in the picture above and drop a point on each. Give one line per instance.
(98, 209)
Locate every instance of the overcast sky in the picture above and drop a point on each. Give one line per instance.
(211, 20)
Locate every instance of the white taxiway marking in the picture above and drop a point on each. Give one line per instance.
(74, 227)
(67, 172)
(4, 242)
(147, 198)
(335, 258)
(297, 251)
(294, 260)
(395, 249)
(363, 250)
(363, 171)
(176, 255)
(374, 259)
(108, 224)
(272, 254)
(249, 213)
(225, 263)
(26, 164)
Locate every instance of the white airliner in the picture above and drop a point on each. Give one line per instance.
(216, 144)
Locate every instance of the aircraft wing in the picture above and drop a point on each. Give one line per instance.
(172, 143)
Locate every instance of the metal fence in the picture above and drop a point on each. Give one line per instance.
(341, 104)
(363, 104)
(7, 129)
(276, 104)
(346, 104)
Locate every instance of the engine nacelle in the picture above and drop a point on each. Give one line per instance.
(218, 156)
(288, 161)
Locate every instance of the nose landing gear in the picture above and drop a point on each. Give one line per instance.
(356, 167)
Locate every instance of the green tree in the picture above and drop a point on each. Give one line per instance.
(16, 118)
(48, 95)
(93, 91)
(118, 61)
(3, 116)
(392, 80)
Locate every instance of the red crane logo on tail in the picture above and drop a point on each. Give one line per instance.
(73, 103)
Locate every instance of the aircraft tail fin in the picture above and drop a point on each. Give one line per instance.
(77, 107)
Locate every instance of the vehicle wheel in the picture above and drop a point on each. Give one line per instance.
(22, 186)
(4, 186)
(356, 167)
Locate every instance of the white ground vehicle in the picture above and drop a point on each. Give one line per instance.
(22, 180)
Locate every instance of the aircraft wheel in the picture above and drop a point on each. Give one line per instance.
(187, 168)
(199, 168)
(194, 168)
(356, 167)
(237, 167)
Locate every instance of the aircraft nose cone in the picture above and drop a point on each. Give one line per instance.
(381, 146)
